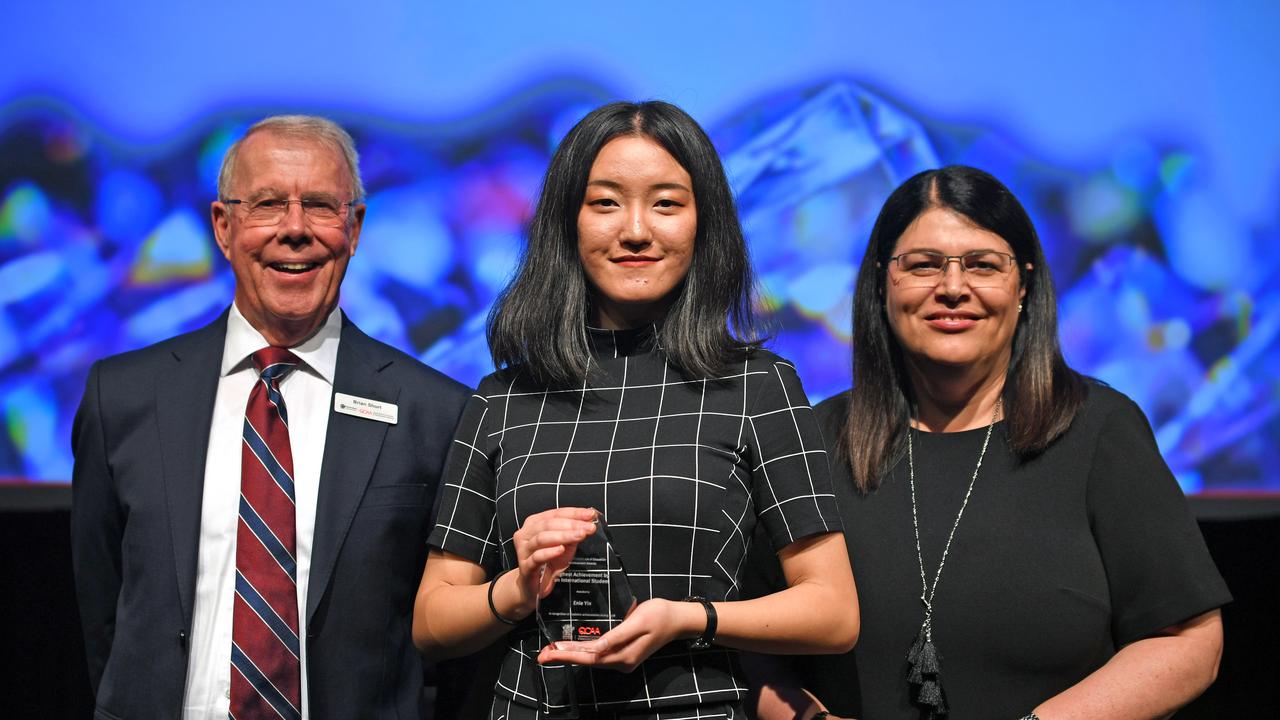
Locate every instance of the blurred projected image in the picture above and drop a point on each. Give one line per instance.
(105, 248)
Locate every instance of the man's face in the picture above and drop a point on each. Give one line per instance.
(288, 272)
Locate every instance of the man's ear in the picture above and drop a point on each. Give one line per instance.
(220, 215)
(357, 222)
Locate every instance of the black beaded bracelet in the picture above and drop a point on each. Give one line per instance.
(704, 641)
(492, 608)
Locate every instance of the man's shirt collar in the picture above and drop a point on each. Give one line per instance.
(318, 352)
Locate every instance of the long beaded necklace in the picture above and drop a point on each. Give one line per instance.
(925, 672)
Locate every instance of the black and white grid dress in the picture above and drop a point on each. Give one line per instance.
(681, 469)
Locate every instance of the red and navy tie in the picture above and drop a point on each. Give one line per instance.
(266, 676)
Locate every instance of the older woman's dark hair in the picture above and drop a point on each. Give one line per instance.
(1041, 393)
(538, 323)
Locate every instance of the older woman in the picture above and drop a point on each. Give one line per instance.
(625, 393)
(1021, 547)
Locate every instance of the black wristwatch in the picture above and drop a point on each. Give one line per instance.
(703, 641)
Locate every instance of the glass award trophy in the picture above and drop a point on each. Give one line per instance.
(590, 597)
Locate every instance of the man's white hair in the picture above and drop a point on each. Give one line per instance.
(308, 126)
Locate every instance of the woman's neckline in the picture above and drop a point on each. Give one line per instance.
(936, 433)
(606, 343)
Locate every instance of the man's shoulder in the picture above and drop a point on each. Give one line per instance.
(207, 339)
(403, 366)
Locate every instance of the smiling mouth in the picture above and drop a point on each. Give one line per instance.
(635, 260)
(952, 322)
(293, 268)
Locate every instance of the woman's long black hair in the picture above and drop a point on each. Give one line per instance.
(538, 323)
(1041, 393)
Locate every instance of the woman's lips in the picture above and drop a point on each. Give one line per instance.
(634, 260)
(951, 323)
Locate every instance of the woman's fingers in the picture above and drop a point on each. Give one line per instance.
(557, 526)
(544, 556)
(586, 652)
(576, 514)
(550, 538)
(544, 545)
(558, 523)
(647, 628)
(554, 655)
(601, 652)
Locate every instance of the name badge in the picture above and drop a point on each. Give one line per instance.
(366, 408)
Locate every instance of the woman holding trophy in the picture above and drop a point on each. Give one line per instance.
(605, 482)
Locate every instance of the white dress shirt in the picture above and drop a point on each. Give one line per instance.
(308, 392)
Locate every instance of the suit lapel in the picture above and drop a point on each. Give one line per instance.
(185, 394)
(351, 449)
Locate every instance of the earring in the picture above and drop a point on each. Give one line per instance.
(1019, 307)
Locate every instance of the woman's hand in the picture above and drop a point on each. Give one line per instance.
(451, 616)
(544, 545)
(652, 624)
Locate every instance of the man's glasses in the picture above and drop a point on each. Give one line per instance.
(924, 268)
(270, 211)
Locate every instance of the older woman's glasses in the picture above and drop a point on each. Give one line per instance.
(270, 211)
(924, 268)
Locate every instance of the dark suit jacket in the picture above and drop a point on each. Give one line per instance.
(140, 439)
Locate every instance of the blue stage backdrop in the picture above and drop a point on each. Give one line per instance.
(1165, 291)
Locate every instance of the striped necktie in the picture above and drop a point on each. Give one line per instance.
(266, 676)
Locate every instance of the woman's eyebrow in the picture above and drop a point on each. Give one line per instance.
(615, 185)
(669, 186)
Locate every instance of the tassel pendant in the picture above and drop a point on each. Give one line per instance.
(925, 672)
(925, 676)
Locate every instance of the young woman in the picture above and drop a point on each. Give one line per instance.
(632, 389)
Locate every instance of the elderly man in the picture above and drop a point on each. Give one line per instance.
(251, 500)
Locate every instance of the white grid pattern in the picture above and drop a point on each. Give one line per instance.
(682, 469)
